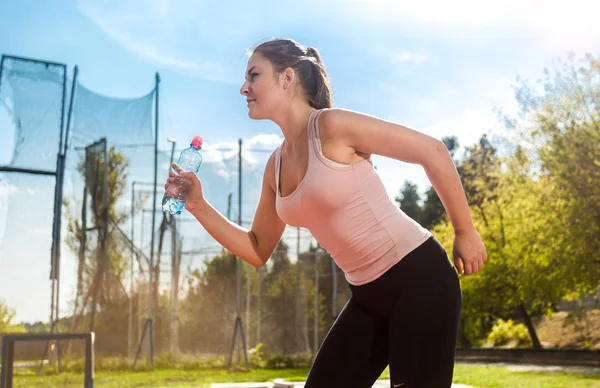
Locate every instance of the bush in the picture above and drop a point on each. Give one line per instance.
(257, 358)
(507, 333)
(285, 361)
(260, 357)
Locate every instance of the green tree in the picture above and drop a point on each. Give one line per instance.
(408, 199)
(6, 320)
(101, 268)
(521, 275)
(432, 211)
(209, 307)
(479, 174)
(560, 121)
(279, 297)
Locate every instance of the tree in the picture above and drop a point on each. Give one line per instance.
(208, 309)
(6, 320)
(102, 267)
(537, 208)
(479, 174)
(279, 296)
(561, 123)
(432, 211)
(408, 200)
(521, 275)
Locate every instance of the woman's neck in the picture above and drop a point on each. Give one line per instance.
(294, 121)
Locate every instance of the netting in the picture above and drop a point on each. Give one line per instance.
(32, 100)
(288, 305)
(111, 146)
(33, 94)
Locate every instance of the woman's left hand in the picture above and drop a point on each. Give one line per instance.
(468, 251)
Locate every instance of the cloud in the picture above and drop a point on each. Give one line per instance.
(134, 24)
(567, 26)
(468, 127)
(223, 156)
(556, 24)
(403, 61)
(263, 144)
(177, 34)
(427, 16)
(255, 149)
(7, 189)
(405, 56)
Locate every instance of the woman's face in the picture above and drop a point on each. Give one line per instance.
(263, 88)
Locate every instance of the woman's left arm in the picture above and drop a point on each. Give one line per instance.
(370, 135)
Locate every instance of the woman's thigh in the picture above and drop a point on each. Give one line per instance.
(354, 353)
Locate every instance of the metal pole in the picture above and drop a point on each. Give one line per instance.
(316, 328)
(28, 171)
(1, 70)
(174, 338)
(54, 250)
(105, 214)
(248, 290)
(238, 319)
(130, 322)
(60, 187)
(239, 261)
(297, 292)
(248, 266)
(61, 178)
(335, 287)
(231, 257)
(141, 284)
(52, 310)
(258, 304)
(150, 336)
(240, 182)
(38, 61)
(55, 254)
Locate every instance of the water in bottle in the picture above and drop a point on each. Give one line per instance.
(190, 159)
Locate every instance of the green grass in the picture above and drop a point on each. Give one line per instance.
(496, 377)
(475, 375)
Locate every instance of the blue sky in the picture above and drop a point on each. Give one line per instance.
(438, 67)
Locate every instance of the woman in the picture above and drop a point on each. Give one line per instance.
(406, 298)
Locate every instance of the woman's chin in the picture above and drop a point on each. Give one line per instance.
(254, 115)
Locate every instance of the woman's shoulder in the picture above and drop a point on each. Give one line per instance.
(335, 122)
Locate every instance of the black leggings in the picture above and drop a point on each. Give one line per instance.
(407, 319)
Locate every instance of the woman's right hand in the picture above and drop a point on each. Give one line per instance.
(183, 182)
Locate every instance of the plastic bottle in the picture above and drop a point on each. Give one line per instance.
(190, 159)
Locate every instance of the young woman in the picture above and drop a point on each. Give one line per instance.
(406, 297)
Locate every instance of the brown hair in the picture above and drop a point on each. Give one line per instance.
(306, 62)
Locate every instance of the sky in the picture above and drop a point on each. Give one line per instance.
(443, 68)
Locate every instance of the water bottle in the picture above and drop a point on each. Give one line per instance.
(189, 160)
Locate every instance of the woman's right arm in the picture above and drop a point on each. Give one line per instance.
(254, 245)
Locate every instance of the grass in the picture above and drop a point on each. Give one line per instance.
(475, 375)
(496, 377)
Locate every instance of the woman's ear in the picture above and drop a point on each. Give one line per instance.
(289, 76)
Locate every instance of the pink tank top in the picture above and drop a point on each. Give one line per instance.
(348, 211)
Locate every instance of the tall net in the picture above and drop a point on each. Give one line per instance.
(32, 102)
(111, 147)
(288, 305)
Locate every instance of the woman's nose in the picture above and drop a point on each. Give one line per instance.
(244, 89)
